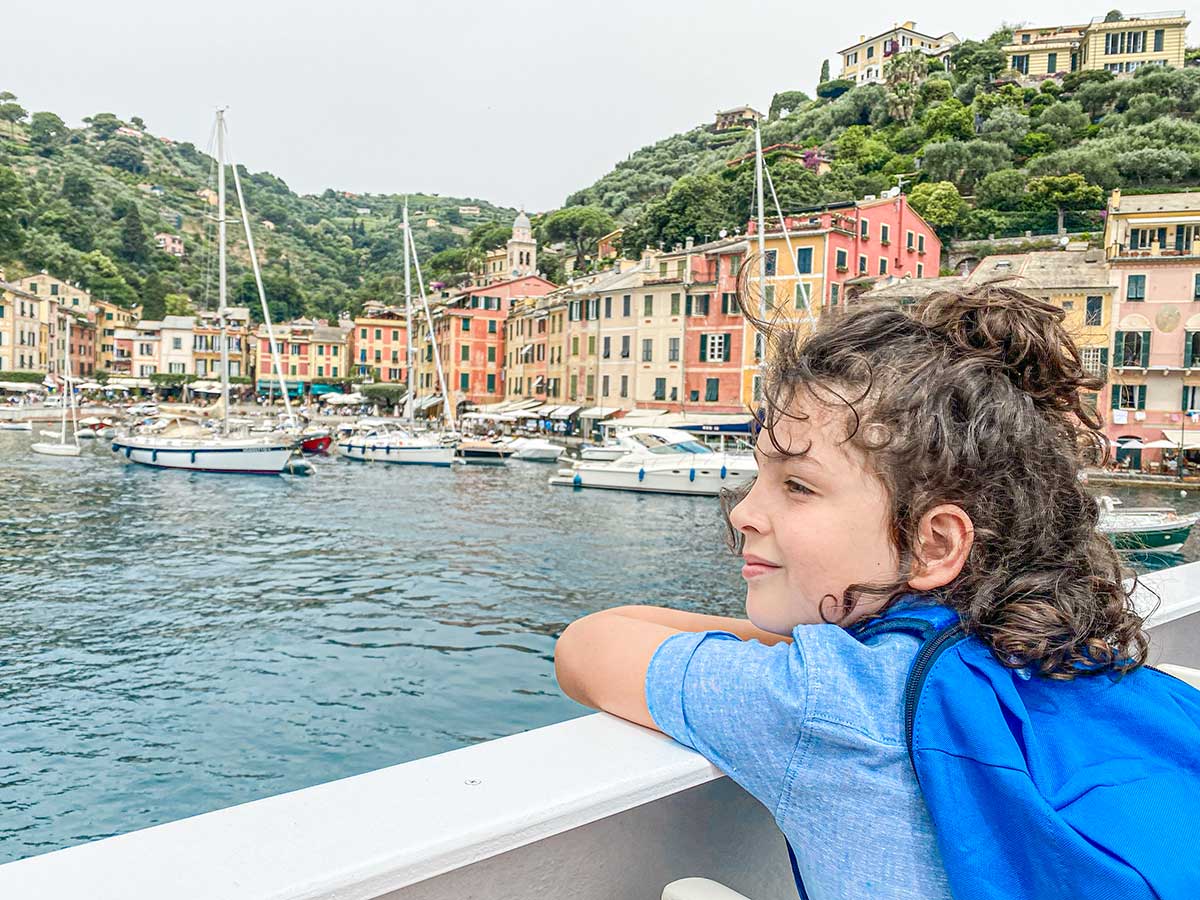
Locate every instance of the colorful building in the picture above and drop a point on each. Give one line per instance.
(206, 343)
(309, 351)
(20, 329)
(1152, 243)
(516, 259)
(379, 343)
(110, 317)
(1120, 46)
(738, 117)
(82, 348)
(863, 62)
(169, 243)
(526, 362)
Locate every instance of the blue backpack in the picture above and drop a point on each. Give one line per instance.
(1086, 789)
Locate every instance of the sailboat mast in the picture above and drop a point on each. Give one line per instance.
(762, 227)
(221, 275)
(409, 355)
(67, 393)
(437, 355)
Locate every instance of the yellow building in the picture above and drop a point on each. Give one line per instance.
(1121, 46)
(863, 62)
(20, 329)
(110, 317)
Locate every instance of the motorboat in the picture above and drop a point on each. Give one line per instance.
(92, 428)
(662, 461)
(1140, 529)
(315, 440)
(177, 443)
(487, 452)
(535, 449)
(396, 445)
(16, 426)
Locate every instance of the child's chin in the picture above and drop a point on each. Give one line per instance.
(768, 616)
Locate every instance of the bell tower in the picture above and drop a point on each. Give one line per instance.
(522, 248)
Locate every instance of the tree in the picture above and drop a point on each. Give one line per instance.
(950, 120)
(1066, 123)
(102, 278)
(490, 235)
(939, 204)
(47, 132)
(963, 162)
(904, 73)
(824, 72)
(136, 122)
(77, 189)
(12, 201)
(1002, 190)
(1063, 192)
(858, 146)
(581, 226)
(1113, 15)
(978, 58)
(1073, 81)
(104, 125)
(1150, 164)
(154, 297)
(60, 218)
(785, 102)
(831, 90)
(1007, 126)
(123, 154)
(133, 236)
(178, 305)
(12, 113)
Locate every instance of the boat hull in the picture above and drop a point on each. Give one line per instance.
(539, 454)
(318, 443)
(55, 449)
(264, 459)
(398, 454)
(707, 480)
(16, 426)
(484, 457)
(1166, 538)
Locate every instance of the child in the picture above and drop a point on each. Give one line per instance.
(927, 453)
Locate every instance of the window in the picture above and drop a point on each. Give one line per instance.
(1135, 287)
(909, 241)
(803, 294)
(920, 243)
(604, 385)
(54, 290)
(864, 229)
(1191, 397)
(647, 350)
(466, 353)
(715, 347)
(660, 389)
(804, 258)
(769, 261)
(883, 265)
(1129, 396)
(625, 341)
(1132, 348)
(648, 305)
(378, 334)
(175, 368)
(870, 52)
(840, 260)
(575, 347)
(862, 265)
(627, 306)
(491, 326)
(574, 386)
(712, 387)
(608, 307)
(466, 324)
(673, 350)
(885, 234)
(362, 354)
(591, 345)
(735, 266)
(920, 270)
(624, 385)
(1094, 314)
(662, 270)
(729, 304)
(491, 354)
(1191, 349)
(1051, 63)
(1095, 359)
(1020, 62)
(834, 289)
(1159, 34)
(1025, 38)
(606, 350)
(464, 381)
(1196, 288)
(491, 383)
(176, 342)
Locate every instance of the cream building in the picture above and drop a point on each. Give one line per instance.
(1121, 46)
(177, 342)
(863, 62)
(20, 329)
(109, 318)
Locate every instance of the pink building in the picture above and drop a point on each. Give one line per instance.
(169, 243)
(1152, 243)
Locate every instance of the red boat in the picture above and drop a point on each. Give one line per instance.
(315, 441)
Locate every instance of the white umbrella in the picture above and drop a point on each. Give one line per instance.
(1162, 444)
(1135, 444)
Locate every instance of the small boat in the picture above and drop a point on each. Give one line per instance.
(69, 413)
(662, 461)
(397, 446)
(488, 453)
(91, 428)
(315, 440)
(536, 449)
(46, 432)
(1146, 528)
(59, 449)
(16, 426)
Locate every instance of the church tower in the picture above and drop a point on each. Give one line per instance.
(522, 248)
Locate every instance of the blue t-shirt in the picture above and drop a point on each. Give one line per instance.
(815, 731)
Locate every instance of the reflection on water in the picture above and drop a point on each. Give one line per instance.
(175, 642)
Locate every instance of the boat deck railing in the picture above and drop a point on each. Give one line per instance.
(589, 809)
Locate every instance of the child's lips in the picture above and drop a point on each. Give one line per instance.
(756, 566)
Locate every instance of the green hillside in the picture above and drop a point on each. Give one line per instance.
(85, 204)
(977, 153)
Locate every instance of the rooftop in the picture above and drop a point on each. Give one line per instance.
(1145, 203)
(1045, 269)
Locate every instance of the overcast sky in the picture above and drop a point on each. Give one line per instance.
(518, 103)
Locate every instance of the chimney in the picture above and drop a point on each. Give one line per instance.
(1115, 200)
(689, 243)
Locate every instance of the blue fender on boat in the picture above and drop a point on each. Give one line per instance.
(153, 456)
(577, 481)
(723, 473)
(193, 457)
(641, 474)
(128, 451)
(692, 475)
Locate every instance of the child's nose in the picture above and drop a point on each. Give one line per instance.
(748, 515)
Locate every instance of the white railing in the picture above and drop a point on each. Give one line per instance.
(590, 808)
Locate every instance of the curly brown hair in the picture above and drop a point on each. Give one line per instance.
(973, 398)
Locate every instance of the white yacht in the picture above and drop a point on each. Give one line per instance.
(662, 461)
(397, 445)
(536, 449)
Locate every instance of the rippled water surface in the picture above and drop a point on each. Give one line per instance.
(172, 643)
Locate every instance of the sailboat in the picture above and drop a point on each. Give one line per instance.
(405, 445)
(181, 443)
(62, 448)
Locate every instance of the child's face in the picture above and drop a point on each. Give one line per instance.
(813, 525)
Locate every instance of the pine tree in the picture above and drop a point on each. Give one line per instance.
(133, 236)
(824, 71)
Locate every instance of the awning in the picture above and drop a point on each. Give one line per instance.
(599, 412)
(21, 386)
(427, 402)
(1190, 437)
(565, 412)
(318, 389)
(91, 386)
(121, 381)
(205, 387)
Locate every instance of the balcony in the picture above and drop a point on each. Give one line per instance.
(590, 809)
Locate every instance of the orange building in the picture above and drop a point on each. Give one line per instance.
(378, 343)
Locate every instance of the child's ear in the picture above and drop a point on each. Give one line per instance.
(944, 538)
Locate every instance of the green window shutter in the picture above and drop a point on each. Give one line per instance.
(1145, 349)
(1183, 401)
(1116, 396)
(728, 347)
(1104, 357)
(1118, 358)
(1141, 397)
(703, 346)
(1187, 349)
(687, 305)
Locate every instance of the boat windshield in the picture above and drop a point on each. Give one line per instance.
(658, 444)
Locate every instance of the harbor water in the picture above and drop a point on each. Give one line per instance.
(176, 642)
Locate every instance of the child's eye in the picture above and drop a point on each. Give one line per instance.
(797, 487)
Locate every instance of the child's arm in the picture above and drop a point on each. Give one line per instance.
(601, 659)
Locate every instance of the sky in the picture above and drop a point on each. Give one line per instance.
(517, 103)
